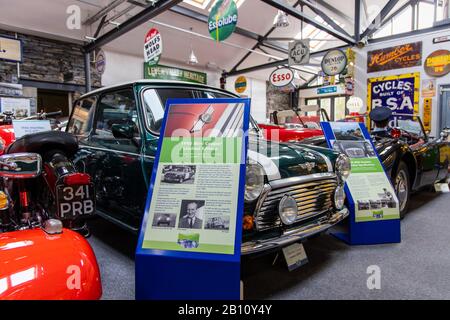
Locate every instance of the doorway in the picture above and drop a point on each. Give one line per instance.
(53, 100)
(444, 106)
(335, 106)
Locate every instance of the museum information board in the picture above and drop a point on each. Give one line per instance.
(194, 208)
(374, 209)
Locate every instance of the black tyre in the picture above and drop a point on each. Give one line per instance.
(402, 187)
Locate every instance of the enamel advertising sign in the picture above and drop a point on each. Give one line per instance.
(399, 93)
(281, 77)
(222, 19)
(437, 64)
(334, 62)
(403, 56)
(298, 52)
(152, 46)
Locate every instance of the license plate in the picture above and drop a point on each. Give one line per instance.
(75, 200)
(295, 256)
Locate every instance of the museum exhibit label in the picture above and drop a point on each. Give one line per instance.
(374, 208)
(191, 219)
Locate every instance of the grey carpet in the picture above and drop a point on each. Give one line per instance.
(417, 268)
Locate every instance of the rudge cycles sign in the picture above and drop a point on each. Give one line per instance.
(403, 56)
(222, 19)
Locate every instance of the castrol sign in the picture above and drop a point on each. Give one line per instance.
(281, 77)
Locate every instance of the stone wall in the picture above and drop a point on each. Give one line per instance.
(48, 60)
(276, 99)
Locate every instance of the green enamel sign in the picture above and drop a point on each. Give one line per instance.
(162, 72)
(222, 19)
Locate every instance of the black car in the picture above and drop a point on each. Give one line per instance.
(411, 159)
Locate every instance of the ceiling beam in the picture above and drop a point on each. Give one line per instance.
(375, 24)
(333, 9)
(276, 63)
(143, 16)
(325, 17)
(281, 5)
(397, 12)
(103, 12)
(357, 25)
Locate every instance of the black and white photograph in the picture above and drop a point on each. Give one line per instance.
(191, 214)
(164, 220)
(178, 174)
(218, 223)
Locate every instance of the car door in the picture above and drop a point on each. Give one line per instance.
(115, 158)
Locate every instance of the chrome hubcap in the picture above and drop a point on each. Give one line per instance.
(401, 189)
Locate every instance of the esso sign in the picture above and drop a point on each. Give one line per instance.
(281, 77)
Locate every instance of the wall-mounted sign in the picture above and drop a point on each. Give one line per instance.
(437, 64)
(23, 127)
(428, 88)
(298, 52)
(427, 109)
(222, 19)
(240, 85)
(152, 46)
(10, 49)
(351, 62)
(355, 104)
(399, 93)
(100, 62)
(281, 77)
(20, 107)
(441, 39)
(334, 62)
(162, 72)
(327, 90)
(403, 56)
(349, 86)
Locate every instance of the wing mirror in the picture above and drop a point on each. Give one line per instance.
(123, 130)
(20, 165)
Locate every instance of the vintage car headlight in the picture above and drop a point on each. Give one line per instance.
(254, 181)
(339, 198)
(287, 209)
(343, 166)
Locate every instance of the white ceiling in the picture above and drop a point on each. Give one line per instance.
(48, 18)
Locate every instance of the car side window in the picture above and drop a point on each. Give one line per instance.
(116, 108)
(155, 102)
(82, 117)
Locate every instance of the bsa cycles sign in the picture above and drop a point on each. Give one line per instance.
(152, 46)
(399, 93)
(334, 62)
(404, 56)
(298, 52)
(222, 19)
(281, 77)
(437, 64)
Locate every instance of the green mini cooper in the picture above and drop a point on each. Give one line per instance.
(292, 192)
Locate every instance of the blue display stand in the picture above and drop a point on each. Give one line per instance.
(369, 232)
(185, 275)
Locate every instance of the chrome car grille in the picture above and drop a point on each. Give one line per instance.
(313, 198)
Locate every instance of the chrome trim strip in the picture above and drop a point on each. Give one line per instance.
(116, 151)
(302, 179)
(296, 235)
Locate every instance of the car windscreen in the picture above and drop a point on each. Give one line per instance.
(155, 102)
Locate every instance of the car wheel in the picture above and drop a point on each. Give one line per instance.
(402, 186)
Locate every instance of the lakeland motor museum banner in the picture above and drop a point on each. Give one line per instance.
(162, 72)
(400, 93)
(403, 56)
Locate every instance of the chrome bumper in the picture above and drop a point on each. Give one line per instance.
(295, 235)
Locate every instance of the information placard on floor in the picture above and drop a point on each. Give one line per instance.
(374, 208)
(189, 244)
